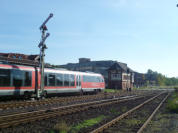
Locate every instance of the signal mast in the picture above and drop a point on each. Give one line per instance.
(42, 46)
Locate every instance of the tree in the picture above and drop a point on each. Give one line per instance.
(155, 78)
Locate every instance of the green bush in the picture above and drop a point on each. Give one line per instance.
(173, 103)
(176, 89)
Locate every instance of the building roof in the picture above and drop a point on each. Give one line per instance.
(104, 63)
(120, 66)
(20, 56)
(22, 59)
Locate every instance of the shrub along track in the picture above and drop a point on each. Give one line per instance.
(134, 120)
(71, 114)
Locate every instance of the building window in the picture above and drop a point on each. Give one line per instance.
(126, 77)
(116, 76)
(20, 57)
(14, 56)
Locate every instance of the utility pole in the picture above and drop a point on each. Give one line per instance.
(42, 47)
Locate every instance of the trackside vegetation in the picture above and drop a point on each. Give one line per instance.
(111, 90)
(62, 126)
(87, 123)
(154, 78)
(173, 103)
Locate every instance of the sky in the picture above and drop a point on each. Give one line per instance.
(141, 33)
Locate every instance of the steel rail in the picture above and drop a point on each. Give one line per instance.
(16, 119)
(52, 100)
(68, 106)
(151, 116)
(25, 104)
(60, 107)
(42, 102)
(107, 125)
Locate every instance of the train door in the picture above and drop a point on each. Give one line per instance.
(78, 83)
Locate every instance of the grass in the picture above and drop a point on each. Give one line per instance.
(87, 123)
(173, 103)
(154, 87)
(61, 127)
(124, 109)
(114, 111)
(111, 90)
(132, 122)
(129, 123)
(163, 122)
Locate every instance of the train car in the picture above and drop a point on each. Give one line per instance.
(25, 80)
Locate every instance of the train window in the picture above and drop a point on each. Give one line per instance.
(99, 79)
(59, 79)
(46, 79)
(102, 80)
(17, 77)
(72, 80)
(85, 78)
(4, 77)
(28, 79)
(51, 79)
(66, 79)
(77, 80)
(89, 79)
(92, 79)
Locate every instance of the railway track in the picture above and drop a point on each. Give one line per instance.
(64, 100)
(25, 117)
(124, 122)
(48, 101)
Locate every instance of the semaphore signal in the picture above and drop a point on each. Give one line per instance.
(42, 47)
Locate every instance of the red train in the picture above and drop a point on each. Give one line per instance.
(25, 80)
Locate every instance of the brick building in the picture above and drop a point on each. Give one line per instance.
(120, 76)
